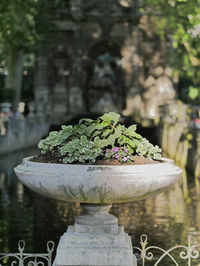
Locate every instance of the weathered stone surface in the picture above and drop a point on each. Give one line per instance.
(95, 239)
(76, 105)
(158, 71)
(21, 132)
(95, 249)
(97, 183)
(104, 89)
(60, 103)
(150, 81)
(158, 92)
(85, 36)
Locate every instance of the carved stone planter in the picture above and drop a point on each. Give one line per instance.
(96, 238)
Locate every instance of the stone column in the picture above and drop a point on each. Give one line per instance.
(41, 82)
(76, 104)
(15, 75)
(60, 95)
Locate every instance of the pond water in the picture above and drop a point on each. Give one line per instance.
(167, 219)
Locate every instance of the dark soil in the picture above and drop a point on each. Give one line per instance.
(49, 158)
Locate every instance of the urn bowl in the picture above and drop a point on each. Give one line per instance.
(97, 183)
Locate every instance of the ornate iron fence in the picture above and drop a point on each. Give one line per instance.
(185, 255)
(27, 259)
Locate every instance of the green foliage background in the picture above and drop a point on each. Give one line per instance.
(180, 19)
(24, 24)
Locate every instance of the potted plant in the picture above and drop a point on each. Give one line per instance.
(97, 163)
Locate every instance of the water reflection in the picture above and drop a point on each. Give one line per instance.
(166, 219)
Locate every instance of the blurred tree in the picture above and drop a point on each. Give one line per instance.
(179, 19)
(24, 27)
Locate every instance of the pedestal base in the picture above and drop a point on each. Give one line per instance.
(102, 244)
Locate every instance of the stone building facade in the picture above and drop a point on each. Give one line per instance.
(105, 56)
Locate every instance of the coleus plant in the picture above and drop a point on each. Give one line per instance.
(104, 138)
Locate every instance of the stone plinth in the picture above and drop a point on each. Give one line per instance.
(95, 239)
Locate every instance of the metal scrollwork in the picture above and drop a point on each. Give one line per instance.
(188, 253)
(27, 259)
(144, 254)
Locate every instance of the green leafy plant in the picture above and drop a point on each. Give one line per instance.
(104, 138)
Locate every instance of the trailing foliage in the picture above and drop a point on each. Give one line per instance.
(104, 138)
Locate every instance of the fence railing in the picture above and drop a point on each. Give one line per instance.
(179, 255)
(27, 259)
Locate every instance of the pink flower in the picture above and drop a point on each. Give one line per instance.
(115, 149)
(117, 156)
(124, 159)
(126, 150)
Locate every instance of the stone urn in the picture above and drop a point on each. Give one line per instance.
(96, 238)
